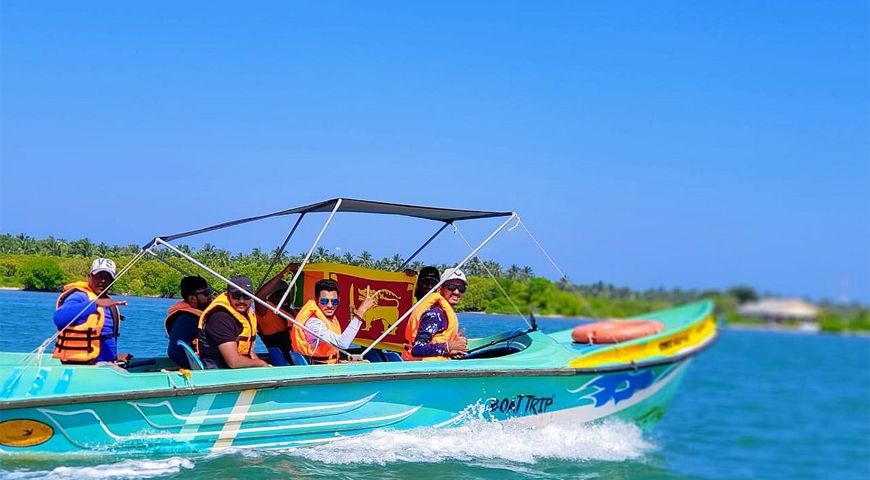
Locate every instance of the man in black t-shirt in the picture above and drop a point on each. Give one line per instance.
(222, 339)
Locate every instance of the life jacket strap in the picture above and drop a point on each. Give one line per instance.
(321, 359)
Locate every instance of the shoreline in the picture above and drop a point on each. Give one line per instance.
(564, 318)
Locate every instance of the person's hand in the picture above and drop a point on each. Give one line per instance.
(108, 302)
(291, 267)
(410, 272)
(124, 357)
(370, 301)
(262, 363)
(458, 347)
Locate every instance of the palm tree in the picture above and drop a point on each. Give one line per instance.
(396, 261)
(82, 248)
(364, 259)
(257, 256)
(348, 259)
(527, 272)
(103, 250)
(25, 244)
(54, 247)
(474, 267)
(493, 267)
(382, 264)
(7, 244)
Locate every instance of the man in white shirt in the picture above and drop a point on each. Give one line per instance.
(318, 316)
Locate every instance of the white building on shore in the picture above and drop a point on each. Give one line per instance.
(777, 312)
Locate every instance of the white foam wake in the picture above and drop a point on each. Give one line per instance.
(485, 441)
(124, 469)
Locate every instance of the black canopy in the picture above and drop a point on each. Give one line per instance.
(447, 215)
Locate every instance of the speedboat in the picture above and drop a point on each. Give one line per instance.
(154, 407)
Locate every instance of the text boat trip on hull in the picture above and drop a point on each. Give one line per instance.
(49, 408)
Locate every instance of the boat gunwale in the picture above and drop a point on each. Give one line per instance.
(353, 378)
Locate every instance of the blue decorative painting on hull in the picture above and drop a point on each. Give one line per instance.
(617, 387)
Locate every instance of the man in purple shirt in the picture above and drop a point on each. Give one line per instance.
(437, 333)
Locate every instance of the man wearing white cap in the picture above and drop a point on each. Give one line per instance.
(433, 331)
(88, 319)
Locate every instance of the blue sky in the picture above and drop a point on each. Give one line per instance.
(675, 144)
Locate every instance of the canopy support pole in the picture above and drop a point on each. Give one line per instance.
(280, 250)
(438, 285)
(253, 297)
(426, 244)
(308, 255)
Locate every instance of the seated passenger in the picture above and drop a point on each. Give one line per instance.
(228, 329)
(427, 279)
(319, 317)
(432, 332)
(88, 319)
(273, 329)
(182, 318)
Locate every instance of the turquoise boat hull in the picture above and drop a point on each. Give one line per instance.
(54, 409)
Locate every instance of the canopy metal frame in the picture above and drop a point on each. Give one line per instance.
(447, 216)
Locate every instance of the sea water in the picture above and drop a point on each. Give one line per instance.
(757, 405)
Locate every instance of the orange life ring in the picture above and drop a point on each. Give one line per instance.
(615, 331)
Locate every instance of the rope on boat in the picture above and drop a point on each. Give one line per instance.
(170, 376)
(405, 315)
(34, 357)
(253, 297)
(552, 262)
(168, 263)
(497, 284)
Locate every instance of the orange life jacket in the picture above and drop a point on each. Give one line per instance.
(320, 352)
(174, 311)
(413, 325)
(248, 322)
(81, 343)
(271, 323)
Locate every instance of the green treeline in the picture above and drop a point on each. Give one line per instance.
(47, 264)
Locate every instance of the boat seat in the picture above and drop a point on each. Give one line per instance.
(192, 358)
(296, 358)
(277, 358)
(392, 356)
(375, 356)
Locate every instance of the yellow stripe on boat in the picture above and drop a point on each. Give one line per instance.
(658, 346)
(237, 416)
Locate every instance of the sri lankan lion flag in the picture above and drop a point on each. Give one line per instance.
(395, 295)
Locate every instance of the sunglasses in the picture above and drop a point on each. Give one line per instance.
(456, 286)
(326, 301)
(240, 296)
(207, 292)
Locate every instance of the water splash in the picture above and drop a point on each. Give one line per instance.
(480, 441)
(124, 469)
(489, 445)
